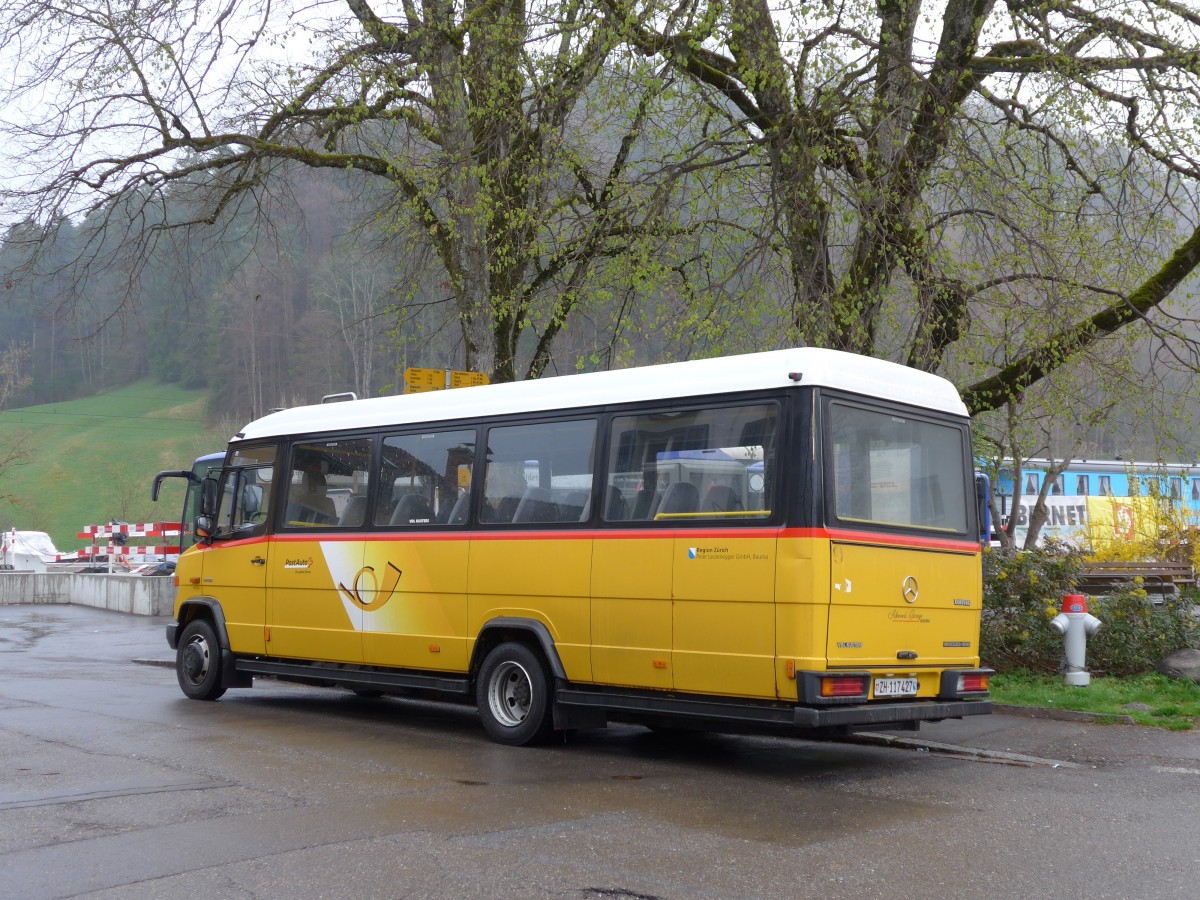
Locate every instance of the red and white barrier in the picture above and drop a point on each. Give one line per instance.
(143, 554)
(151, 529)
(121, 554)
(33, 550)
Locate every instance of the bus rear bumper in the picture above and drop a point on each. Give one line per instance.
(721, 714)
(880, 714)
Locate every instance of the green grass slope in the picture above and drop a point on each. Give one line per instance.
(85, 462)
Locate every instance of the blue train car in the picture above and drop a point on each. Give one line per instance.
(1070, 497)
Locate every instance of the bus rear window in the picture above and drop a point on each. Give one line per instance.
(887, 469)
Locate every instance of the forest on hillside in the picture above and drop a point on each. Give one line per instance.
(303, 295)
(537, 189)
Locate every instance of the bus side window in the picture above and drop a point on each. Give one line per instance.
(424, 478)
(327, 487)
(245, 499)
(245, 493)
(537, 473)
(692, 465)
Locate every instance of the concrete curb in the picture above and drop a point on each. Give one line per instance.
(160, 663)
(1062, 715)
(999, 756)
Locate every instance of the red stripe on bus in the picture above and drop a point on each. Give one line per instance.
(613, 534)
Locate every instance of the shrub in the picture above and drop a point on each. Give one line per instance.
(1136, 633)
(1023, 591)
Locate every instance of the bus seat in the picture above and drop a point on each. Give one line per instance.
(313, 495)
(413, 509)
(536, 506)
(615, 507)
(720, 498)
(355, 512)
(575, 506)
(458, 514)
(643, 506)
(679, 497)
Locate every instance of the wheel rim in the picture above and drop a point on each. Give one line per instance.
(196, 660)
(510, 694)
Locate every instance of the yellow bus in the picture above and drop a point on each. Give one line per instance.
(778, 542)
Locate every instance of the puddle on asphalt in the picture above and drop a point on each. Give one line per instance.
(19, 635)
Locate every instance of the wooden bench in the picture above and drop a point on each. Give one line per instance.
(1158, 579)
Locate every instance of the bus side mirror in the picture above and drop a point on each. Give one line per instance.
(162, 476)
(983, 505)
(203, 529)
(208, 497)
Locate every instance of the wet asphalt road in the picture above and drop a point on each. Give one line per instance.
(112, 784)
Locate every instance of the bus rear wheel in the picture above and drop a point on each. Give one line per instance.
(198, 661)
(513, 694)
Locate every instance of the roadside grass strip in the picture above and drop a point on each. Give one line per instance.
(1151, 699)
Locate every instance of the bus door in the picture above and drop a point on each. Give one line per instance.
(234, 569)
(317, 554)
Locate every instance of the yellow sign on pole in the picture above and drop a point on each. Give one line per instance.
(417, 381)
(467, 379)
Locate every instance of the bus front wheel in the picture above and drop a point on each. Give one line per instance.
(198, 661)
(513, 694)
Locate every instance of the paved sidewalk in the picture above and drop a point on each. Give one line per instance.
(1048, 737)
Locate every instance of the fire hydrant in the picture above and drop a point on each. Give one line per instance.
(1075, 623)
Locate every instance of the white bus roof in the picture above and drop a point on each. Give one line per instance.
(704, 377)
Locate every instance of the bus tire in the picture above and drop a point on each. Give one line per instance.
(513, 695)
(198, 661)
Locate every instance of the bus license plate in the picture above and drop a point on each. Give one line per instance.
(895, 687)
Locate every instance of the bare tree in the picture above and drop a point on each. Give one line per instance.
(12, 379)
(476, 113)
(13, 445)
(872, 116)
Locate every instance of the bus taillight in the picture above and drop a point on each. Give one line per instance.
(973, 683)
(844, 686)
